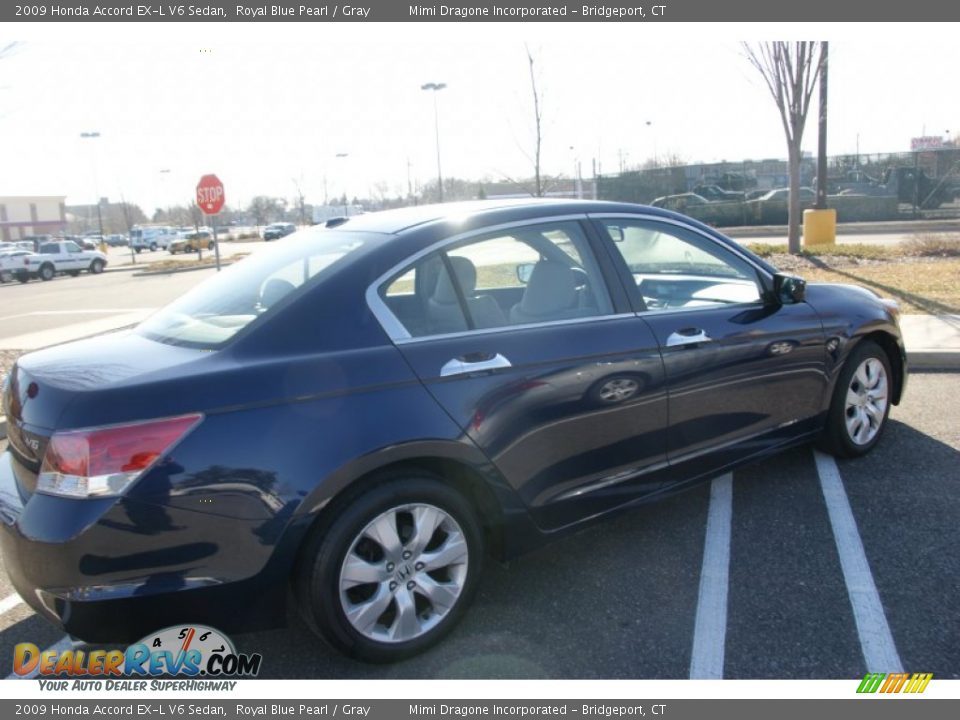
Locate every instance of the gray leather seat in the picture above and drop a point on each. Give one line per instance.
(551, 294)
(443, 309)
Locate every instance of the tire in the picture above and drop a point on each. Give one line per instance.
(47, 272)
(153, 247)
(210, 245)
(139, 250)
(96, 267)
(23, 277)
(861, 403)
(5, 276)
(384, 613)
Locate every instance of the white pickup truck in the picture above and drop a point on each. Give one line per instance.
(59, 257)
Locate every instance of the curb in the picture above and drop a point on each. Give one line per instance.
(149, 273)
(892, 227)
(933, 360)
(122, 268)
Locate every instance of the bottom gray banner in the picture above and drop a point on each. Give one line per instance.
(873, 708)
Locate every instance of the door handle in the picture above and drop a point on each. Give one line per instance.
(474, 363)
(688, 336)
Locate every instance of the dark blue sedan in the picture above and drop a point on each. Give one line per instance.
(358, 415)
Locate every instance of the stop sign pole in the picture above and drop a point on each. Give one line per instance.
(210, 200)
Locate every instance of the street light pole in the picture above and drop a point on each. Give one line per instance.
(435, 87)
(96, 189)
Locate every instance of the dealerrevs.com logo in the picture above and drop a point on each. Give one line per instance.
(190, 651)
(895, 682)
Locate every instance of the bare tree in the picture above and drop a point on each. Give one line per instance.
(790, 71)
(537, 127)
(301, 203)
(263, 208)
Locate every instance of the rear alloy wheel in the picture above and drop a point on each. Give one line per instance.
(153, 247)
(47, 272)
(861, 402)
(96, 267)
(394, 572)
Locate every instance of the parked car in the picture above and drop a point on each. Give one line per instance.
(361, 416)
(61, 257)
(12, 263)
(715, 193)
(151, 237)
(782, 195)
(192, 242)
(773, 206)
(680, 203)
(117, 240)
(275, 231)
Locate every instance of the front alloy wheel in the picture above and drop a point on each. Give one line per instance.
(866, 401)
(394, 571)
(861, 402)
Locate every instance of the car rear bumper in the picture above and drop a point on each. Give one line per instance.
(113, 570)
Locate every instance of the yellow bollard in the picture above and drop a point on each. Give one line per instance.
(819, 227)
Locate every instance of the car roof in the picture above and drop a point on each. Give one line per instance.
(494, 211)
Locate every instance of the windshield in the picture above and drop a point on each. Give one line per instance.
(217, 309)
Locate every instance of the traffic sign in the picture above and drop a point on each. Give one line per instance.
(210, 197)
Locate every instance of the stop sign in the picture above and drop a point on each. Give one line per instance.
(210, 195)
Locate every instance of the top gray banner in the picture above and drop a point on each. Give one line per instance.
(481, 11)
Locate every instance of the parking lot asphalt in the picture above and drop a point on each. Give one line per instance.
(622, 599)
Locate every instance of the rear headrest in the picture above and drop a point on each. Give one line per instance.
(466, 277)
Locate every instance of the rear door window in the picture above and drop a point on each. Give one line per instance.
(525, 275)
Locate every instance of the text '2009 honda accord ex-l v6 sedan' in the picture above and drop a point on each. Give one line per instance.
(358, 415)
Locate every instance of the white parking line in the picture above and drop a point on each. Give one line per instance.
(710, 629)
(64, 643)
(876, 641)
(9, 603)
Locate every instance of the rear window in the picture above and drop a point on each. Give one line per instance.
(214, 311)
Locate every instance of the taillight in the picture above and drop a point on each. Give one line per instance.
(103, 462)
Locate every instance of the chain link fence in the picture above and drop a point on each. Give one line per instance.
(862, 187)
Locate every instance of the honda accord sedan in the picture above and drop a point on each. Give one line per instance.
(357, 416)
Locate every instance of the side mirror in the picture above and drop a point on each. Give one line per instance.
(524, 271)
(616, 233)
(789, 289)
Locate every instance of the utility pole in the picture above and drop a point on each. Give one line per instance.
(822, 137)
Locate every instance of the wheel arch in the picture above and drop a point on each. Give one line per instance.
(473, 477)
(892, 348)
(888, 343)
